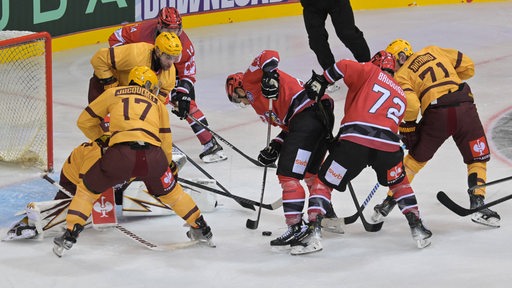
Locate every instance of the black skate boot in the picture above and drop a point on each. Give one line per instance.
(485, 216)
(67, 240)
(310, 241)
(212, 152)
(203, 233)
(419, 233)
(295, 233)
(382, 210)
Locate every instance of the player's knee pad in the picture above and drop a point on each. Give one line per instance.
(80, 207)
(412, 167)
(182, 204)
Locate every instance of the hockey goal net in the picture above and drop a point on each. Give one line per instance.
(26, 99)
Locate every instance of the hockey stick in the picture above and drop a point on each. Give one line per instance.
(243, 204)
(367, 226)
(461, 211)
(353, 218)
(272, 206)
(252, 160)
(253, 224)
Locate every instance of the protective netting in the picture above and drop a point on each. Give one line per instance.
(23, 106)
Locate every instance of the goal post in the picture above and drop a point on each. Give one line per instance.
(26, 124)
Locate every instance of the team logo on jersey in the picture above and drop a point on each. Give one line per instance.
(301, 161)
(335, 173)
(479, 148)
(168, 181)
(395, 173)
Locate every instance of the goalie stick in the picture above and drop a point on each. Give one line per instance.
(367, 226)
(461, 211)
(252, 160)
(243, 204)
(272, 206)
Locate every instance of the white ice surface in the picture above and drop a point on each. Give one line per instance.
(462, 254)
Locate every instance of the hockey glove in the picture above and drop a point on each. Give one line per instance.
(183, 104)
(270, 84)
(315, 87)
(174, 169)
(109, 82)
(270, 153)
(408, 133)
(103, 140)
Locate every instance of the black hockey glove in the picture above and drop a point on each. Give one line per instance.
(103, 140)
(315, 87)
(182, 102)
(270, 84)
(270, 153)
(408, 132)
(109, 82)
(174, 169)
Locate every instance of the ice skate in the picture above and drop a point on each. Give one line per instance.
(212, 152)
(294, 234)
(66, 240)
(310, 241)
(201, 234)
(382, 210)
(419, 233)
(485, 216)
(21, 230)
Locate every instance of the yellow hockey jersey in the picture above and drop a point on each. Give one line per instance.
(80, 160)
(118, 61)
(135, 115)
(431, 73)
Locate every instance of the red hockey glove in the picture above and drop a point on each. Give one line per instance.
(408, 132)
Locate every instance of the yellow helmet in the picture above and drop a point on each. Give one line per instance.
(399, 45)
(168, 43)
(144, 77)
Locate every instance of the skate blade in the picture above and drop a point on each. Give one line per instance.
(491, 222)
(311, 247)
(423, 243)
(217, 157)
(58, 250)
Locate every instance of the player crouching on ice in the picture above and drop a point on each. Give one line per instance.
(140, 146)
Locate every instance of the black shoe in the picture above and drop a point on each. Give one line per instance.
(382, 210)
(310, 240)
(485, 216)
(295, 233)
(212, 152)
(202, 233)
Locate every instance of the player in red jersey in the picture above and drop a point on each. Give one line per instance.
(169, 20)
(368, 134)
(301, 144)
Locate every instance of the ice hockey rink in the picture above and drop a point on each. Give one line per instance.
(462, 254)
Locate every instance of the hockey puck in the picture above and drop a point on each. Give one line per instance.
(266, 233)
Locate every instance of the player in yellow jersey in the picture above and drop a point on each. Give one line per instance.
(433, 81)
(140, 146)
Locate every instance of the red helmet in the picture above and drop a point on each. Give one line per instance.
(169, 17)
(385, 61)
(232, 82)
